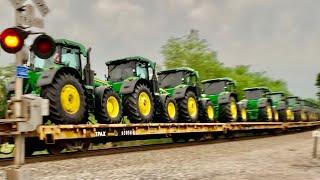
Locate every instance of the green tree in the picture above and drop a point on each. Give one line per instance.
(5, 73)
(318, 85)
(192, 51)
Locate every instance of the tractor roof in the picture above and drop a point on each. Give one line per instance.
(276, 93)
(186, 69)
(257, 88)
(218, 79)
(132, 58)
(293, 97)
(67, 42)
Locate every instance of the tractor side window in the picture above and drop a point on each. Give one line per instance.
(70, 58)
(142, 71)
(150, 73)
(193, 79)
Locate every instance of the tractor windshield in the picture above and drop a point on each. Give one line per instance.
(276, 97)
(170, 79)
(254, 94)
(120, 72)
(292, 101)
(214, 87)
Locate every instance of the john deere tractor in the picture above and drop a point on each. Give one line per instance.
(258, 104)
(279, 102)
(222, 93)
(70, 87)
(134, 78)
(183, 85)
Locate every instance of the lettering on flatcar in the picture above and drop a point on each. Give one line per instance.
(100, 133)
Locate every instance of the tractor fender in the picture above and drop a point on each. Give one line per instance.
(128, 86)
(242, 104)
(281, 105)
(47, 77)
(203, 102)
(224, 97)
(163, 98)
(98, 94)
(263, 102)
(180, 92)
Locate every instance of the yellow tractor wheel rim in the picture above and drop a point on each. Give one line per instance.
(210, 113)
(269, 113)
(244, 114)
(70, 99)
(171, 110)
(144, 104)
(290, 115)
(234, 111)
(112, 107)
(192, 107)
(303, 116)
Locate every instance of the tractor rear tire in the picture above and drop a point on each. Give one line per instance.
(227, 113)
(282, 115)
(110, 109)
(138, 101)
(266, 113)
(67, 100)
(170, 111)
(207, 112)
(188, 108)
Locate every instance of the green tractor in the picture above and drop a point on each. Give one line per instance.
(183, 85)
(222, 93)
(279, 101)
(258, 104)
(134, 78)
(300, 110)
(71, 89)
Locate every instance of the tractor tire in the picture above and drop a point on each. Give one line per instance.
(67, 100)
(282, 115)
(169, 112)
(139, 105)
(266, 113)
(188, 108)
(110, 109)
(229, 111)
(298, 116)
(243, 115)
(207, 112)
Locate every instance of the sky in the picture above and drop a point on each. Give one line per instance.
(281, 38)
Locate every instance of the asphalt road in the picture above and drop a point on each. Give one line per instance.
(278, 157)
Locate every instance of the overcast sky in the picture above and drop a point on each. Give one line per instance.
(281, 37)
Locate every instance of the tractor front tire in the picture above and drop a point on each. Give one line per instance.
(67, 100)
(207, 112)
(170, 111)
(139, 105)
(283, 115)
(189, 108)
(229, 111)
(266, 113)
(110, 109)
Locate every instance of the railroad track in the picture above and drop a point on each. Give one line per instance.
(7, 162)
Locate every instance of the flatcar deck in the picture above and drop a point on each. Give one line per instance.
(60, 132)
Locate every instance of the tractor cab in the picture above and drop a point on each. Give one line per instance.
(277, 97)
(256, 92)
(174, 77)
(130, 68)
(218, 85)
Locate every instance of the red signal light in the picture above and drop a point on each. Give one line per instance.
(12, 40)
(43, 46)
